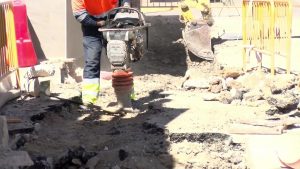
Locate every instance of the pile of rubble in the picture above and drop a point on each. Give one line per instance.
(278, 94)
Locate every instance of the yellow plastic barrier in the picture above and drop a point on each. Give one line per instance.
(8, 49)
(267, 29)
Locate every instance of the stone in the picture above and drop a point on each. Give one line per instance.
(233, 73)
(216, 88)
(76, 161)
(37, 127)
(253, 95)
(14, 159)
(215, 80)
(253, 80)
(284, 102)
(231, 83)
(272, 110)
(4, 137)
(225, 97)
(196, 84)
(282, 83)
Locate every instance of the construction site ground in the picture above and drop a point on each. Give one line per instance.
(172, 125)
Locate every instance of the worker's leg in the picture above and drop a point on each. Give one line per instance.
(91, 73)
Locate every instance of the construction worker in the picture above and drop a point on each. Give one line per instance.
(92, 15)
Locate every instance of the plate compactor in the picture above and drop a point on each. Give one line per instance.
(126, 35)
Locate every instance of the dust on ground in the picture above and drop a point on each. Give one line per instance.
(64, 133)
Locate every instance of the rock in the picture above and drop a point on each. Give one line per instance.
(225, 97)
(282, 83)
(253, 95)
(233, 73)
(211, 97)
(196, 83)
(37, 127)
(215, 80)
(236, 94)
(231, 83)
(4, 137)
(253, 80)
(216, 88)
(272, 110)
(42, 163)
(105, 148)
(76, 161)
(15, 159)
(284, 102)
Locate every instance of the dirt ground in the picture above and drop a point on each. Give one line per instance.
(144, 139)
(172, 127)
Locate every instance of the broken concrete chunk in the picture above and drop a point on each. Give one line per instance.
(233, 73)
(14, 159)
(225, 97)
(215, 80)
(284, 102)
(4, 137)
(253, 95)
(43, 70)
(216, 88)
(196, 83)
(272, 110)
(231, 83)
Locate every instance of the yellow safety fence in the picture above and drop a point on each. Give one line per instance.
(8, 49)
(267, 30)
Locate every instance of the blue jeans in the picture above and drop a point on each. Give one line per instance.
(92, 46)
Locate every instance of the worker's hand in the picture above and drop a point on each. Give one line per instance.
(101, 23)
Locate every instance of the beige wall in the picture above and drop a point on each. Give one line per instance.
(47, 18)
(74, 37)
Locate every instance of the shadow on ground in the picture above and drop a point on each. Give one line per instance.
(70, 136)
